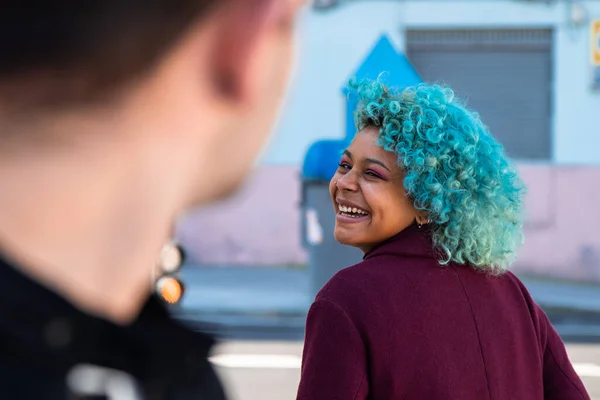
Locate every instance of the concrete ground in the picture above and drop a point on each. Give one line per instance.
(269, 370)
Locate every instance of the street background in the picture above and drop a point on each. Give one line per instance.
(531, 68)
(259, 314)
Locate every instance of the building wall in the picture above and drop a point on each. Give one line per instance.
(261, 225)
(334, 43)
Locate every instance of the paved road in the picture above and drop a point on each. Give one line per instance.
(249, 302)
(270, 370)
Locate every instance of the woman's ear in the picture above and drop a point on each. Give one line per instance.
(422, 217)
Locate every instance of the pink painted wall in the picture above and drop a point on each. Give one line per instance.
(261, 224)
(563, 226)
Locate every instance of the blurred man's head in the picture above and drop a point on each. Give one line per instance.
(192, 85)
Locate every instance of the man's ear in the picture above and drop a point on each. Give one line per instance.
(243, 25)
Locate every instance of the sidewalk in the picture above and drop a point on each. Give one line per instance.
(260, 300)
(253, 302)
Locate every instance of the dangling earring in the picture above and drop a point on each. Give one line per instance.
(335, 183)
(419, 225)
(167, 283)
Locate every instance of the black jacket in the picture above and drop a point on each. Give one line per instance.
(51, 350)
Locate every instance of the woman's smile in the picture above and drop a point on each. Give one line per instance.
(349, 212)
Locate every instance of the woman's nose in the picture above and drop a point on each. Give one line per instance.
(347, 182)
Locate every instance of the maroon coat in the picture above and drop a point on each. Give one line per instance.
(398, 326)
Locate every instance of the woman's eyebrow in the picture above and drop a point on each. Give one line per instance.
(376, 161)
(369, 160)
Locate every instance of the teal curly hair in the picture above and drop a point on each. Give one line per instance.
(454, 170)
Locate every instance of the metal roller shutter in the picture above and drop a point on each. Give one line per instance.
(505, 75)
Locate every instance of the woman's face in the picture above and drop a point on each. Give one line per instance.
(369, 196)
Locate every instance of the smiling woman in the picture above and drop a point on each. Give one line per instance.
(427, 193)
(422, 156)
(368, 192)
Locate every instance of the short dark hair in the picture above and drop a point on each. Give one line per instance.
(54, 52)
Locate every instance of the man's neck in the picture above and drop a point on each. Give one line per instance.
(87, 223)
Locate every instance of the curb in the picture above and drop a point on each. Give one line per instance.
(257, 326)
(572, 324)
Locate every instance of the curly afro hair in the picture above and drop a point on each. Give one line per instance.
(454, 170)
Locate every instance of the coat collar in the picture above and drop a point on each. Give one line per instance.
(411, 241)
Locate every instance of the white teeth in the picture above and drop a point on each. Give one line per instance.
(351, 210)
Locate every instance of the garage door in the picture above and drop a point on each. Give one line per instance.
(505, 75)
